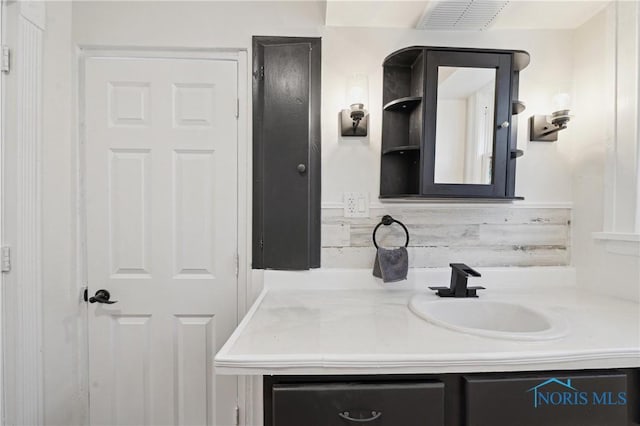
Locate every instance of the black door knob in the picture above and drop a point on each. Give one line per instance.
(302, 168)
(102, 296)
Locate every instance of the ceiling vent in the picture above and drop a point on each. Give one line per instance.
(457, 15)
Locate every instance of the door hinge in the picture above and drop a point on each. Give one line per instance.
(260, 73)
(5, 63)
(237, 264)
(261, 244)
(236, 416)
(6, 259)
(237, 108)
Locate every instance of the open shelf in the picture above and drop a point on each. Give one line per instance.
(521, 60)
(401, 149)
(517, 107)
(405, 104)
(402, 121)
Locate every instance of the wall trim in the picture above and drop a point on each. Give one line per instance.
(27, 313)
(244, 243)
(627, 244)
(625, 248)
(617, 236)
(622, 165)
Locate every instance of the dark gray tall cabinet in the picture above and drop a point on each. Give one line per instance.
(286, 153)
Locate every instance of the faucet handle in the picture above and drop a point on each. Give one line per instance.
(443, 291)
(465, 270)
(471, 291)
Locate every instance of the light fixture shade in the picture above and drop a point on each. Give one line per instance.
(357, 89)
(561, 102)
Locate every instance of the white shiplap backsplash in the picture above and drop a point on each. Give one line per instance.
(439, 235)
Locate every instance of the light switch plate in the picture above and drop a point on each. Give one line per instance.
(356, 204)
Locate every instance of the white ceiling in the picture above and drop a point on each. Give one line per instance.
(371, 13)
(518, 14)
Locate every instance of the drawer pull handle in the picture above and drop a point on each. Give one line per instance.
(374, 415)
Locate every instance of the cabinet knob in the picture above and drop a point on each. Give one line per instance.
(302, 168)
(504, 125)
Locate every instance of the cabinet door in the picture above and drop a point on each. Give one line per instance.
(286, 153)
(576, 400)
(402, 404)
(467, 115)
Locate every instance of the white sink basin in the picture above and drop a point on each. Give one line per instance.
(503, 320)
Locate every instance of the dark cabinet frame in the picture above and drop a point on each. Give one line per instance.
(410, 89)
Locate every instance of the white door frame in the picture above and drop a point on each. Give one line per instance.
(2, 136)
(240, 56)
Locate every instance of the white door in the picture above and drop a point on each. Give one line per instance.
(161, 206)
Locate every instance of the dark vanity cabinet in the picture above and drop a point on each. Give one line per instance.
(448, 129)
(543, 398)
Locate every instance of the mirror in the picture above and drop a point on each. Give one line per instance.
(465, 125)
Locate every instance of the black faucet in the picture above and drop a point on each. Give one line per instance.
(458, 287)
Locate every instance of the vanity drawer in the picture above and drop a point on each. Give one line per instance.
(340, 404)
(576, 400)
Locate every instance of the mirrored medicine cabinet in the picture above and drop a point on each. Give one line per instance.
(448, 128)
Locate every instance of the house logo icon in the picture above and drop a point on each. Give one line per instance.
(537, 389)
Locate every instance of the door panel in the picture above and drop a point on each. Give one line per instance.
(286, 190)
(161, 204)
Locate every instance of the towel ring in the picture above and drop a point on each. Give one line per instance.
(388, 220)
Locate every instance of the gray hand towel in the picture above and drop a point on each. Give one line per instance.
(391, 264)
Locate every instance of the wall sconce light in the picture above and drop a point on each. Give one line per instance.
(545, 128)
(355, 120)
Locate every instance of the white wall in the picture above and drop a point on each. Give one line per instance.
(594, 132)
(192, 24)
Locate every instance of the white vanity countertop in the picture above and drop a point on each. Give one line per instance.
(322, 323)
